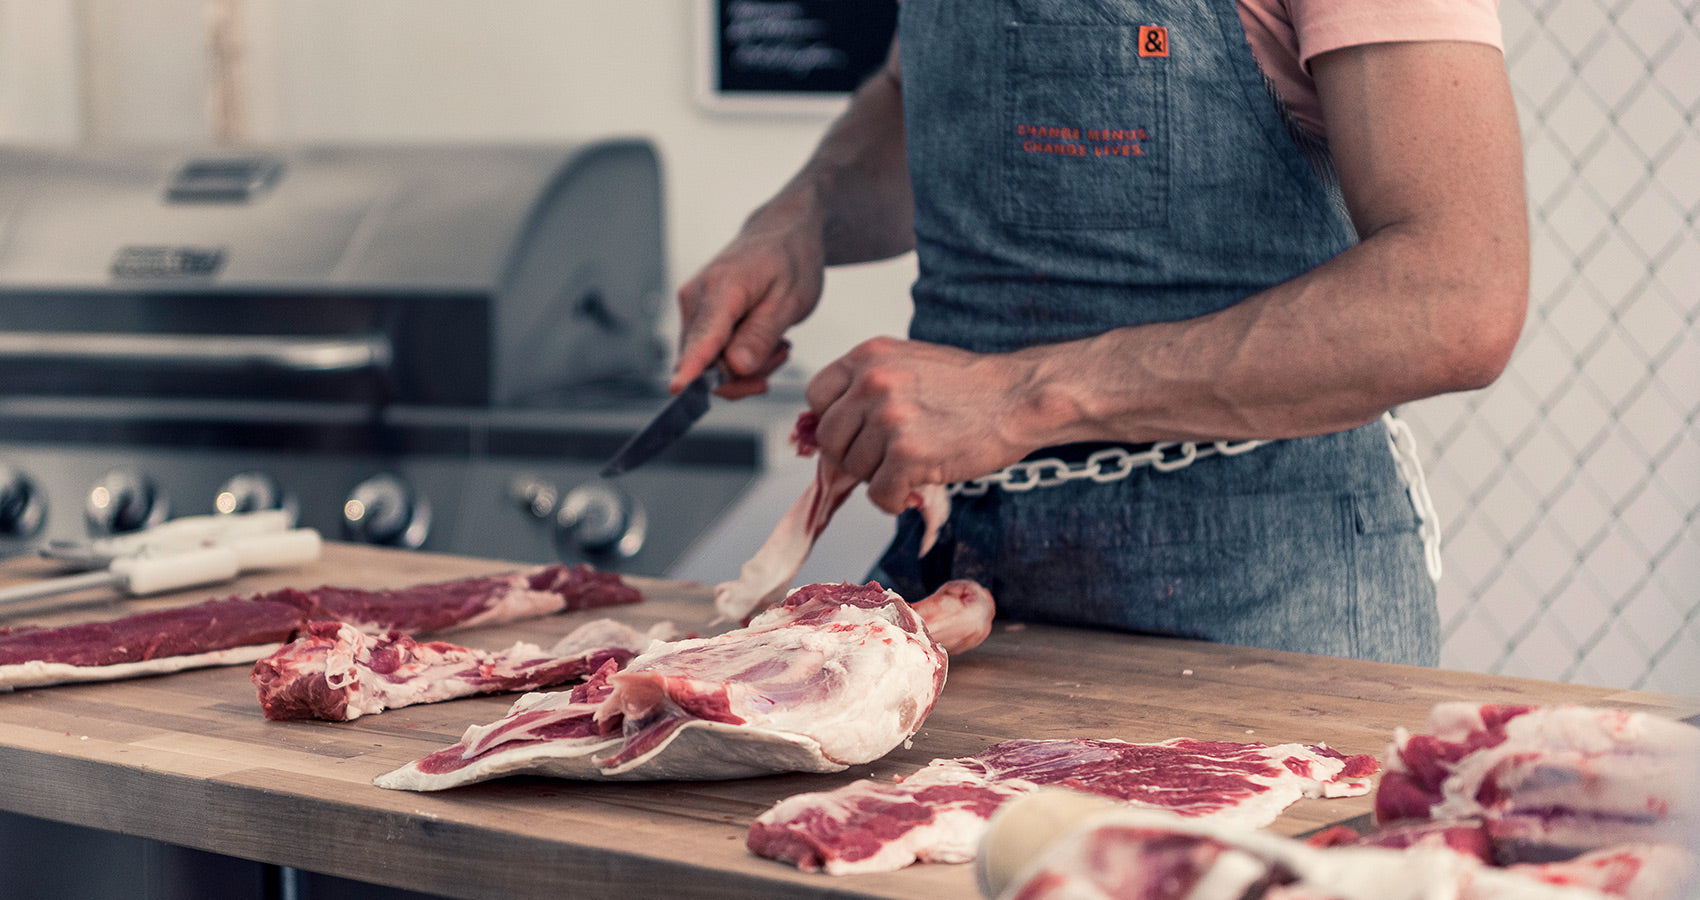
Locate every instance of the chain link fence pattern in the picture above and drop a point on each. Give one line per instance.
(1568, 490)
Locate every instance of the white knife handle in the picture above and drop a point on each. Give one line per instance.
(276, 551)
(173, 535)
(143, 575)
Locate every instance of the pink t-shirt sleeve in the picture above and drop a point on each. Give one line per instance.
(1324, 25)
(1286, 34)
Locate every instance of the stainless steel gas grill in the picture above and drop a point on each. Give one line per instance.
(421, 346)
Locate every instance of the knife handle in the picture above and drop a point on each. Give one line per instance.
(716, 376)
(143, 575)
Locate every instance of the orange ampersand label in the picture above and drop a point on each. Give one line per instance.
(1153, 40)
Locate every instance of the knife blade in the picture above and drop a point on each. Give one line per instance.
(669, 425)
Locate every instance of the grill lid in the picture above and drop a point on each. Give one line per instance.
(466, 275)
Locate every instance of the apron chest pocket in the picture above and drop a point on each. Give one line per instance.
(1085, 129)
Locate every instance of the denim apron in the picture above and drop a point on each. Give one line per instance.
(1081, 165)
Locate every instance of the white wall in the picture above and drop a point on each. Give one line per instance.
(544, 69)
(39, 85)
(1570, 489)
(514, 70)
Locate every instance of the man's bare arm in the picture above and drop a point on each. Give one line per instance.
(850, 202)
(860, 174)
(1431, 300)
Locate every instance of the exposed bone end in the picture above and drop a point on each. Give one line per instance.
(958, 615)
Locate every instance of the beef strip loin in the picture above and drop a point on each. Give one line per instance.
(244, 629)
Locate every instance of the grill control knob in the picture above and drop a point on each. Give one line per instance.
(385, 509)
(534, 495)
(251, 492)
(22, 511)
(125, 500)
(600, 522)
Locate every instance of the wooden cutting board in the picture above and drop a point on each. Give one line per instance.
(188, 759)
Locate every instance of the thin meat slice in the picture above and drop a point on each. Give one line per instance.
(834, 676)
(338, 673)
(939, 814)
(543, 733)
(1547, 782)
(244, 629)
(764, 578)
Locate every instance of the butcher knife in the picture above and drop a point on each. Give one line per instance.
(669, 425)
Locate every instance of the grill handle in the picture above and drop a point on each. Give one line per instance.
(307, 355)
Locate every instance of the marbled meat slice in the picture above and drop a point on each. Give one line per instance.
(244, 629)
(834, 676)
(939, 814)
(337, 672)
(1547, 782)
(766, 576)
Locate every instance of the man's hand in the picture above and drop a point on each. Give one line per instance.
(901, 415)
(740, 305)
(850, 203)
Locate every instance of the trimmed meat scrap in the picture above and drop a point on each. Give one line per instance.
(765, 577)
(338, 673)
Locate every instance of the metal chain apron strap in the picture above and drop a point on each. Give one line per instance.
(1116, 463)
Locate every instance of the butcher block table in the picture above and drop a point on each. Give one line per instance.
(188, 759)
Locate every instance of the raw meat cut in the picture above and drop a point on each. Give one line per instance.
(939, 813)
(337, 672)
(834, 676)
(1547, 782)
(1636, 871)
(958, 615)
(763, 579)
(1467, 837)
(1051, 845)
(1578, 803)
(543, 733)
(245, 629)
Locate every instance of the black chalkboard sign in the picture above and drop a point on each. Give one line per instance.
(796, 48)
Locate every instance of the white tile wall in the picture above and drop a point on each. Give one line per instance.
(1569, 490)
